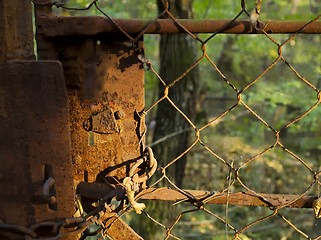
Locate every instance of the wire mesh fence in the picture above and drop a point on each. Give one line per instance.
(252, 140)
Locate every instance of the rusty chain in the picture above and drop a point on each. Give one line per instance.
(151, 166)
(132, 182)
(74, 226)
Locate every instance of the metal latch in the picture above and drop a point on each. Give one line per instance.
(48, 190)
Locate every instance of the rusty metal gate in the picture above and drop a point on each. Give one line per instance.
(73, 134)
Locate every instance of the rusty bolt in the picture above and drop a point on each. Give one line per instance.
(119, 114)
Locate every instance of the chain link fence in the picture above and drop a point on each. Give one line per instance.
(247, 175)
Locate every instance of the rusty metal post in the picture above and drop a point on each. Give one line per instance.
(105, 83)
(105, 86)
(35, 170)
(16, 41)
(106, 91)
(34, 143)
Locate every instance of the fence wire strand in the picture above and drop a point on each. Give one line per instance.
(234, 175)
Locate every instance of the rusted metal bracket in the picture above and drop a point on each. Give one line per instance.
(103, 122)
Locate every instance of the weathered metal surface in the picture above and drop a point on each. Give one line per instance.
(35, 170)
(89, 26)
(103, 76)
(34, 143)
(95, 191)
(239, 198)
(16, 35)
(105, 83)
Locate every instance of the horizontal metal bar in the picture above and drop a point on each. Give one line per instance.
(239, 198)
(70, 26)
(96, 191)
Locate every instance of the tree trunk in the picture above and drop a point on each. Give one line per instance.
(177, 54)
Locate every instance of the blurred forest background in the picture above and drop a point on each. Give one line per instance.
(278, 97)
